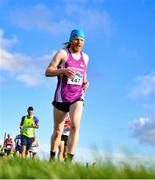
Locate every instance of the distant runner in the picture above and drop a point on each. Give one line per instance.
(1, 151)
(18, 145)
(28, 125)
(8, 145)
(62, 154)
(34, 149)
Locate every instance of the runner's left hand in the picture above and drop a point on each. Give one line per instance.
(85, 85)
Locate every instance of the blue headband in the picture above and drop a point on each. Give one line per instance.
(76, 33)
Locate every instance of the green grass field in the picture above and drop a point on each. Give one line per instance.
(39, 169)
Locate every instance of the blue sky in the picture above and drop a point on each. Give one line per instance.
(119, 112)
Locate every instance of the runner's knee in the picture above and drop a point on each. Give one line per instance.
(58, 133)
(75, 127)
(60, 149)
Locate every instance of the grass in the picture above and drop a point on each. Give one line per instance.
(42, 169)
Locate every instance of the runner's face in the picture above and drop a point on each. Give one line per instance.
(77, 44)
(30, 112)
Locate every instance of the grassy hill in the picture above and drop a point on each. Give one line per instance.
(39, 169)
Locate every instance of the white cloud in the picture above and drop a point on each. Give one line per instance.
(144, 130)
(46, 18)
(2, 79)
(97, 21)
(16, 63)
(39, 17)
(28, 79)
(150, 106)
(145, 86)
(27, 69)
(6, 43)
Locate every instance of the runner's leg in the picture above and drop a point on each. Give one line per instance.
(75, 113)
(61, 150)
(59, 117)
(23, 151)
(65, 152)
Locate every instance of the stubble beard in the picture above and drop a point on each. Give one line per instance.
(76, 49)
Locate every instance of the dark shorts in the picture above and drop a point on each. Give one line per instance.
(2, 154)
(7, 151)
(26, 141)
(19, 149)
(65, 139)
(64, 106)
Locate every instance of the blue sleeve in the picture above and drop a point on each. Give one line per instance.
(22, 120)
(36, 120)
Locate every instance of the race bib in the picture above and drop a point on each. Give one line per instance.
(28, 129)
(77, 80)
(8, 146)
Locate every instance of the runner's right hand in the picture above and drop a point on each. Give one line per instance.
(69, 72)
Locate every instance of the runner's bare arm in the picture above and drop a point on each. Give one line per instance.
(52, 69)
(86, 82)
(86, 58)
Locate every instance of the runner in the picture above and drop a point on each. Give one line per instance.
(62, 153)
(69, 65)
(34, 149)
(8, 145)
(18, 145)
(1, 151)
(27, 126)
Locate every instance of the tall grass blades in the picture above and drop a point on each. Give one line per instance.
(41, 169)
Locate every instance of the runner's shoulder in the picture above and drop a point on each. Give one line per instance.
(86, 57)
(62, 52)
(22, 120)
(36, 120)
